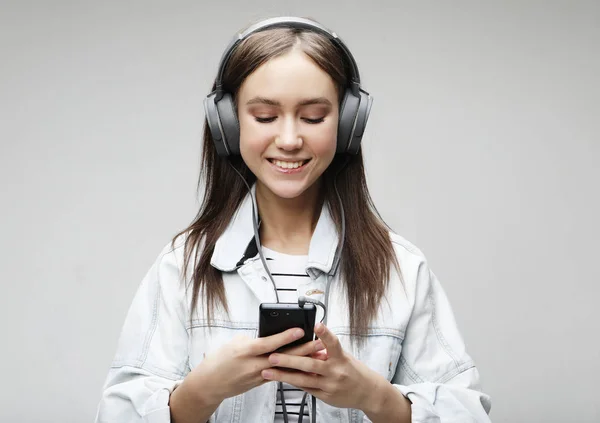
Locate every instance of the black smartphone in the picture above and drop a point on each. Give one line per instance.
(278, 317)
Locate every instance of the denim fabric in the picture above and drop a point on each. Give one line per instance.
(414, 341)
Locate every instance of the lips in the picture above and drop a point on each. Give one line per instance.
(288, 164)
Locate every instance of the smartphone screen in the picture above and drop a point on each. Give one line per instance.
(278, 317)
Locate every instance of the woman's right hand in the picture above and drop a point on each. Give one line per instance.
(236, 367)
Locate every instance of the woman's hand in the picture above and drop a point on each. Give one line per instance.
(236, 367)
(336, 377)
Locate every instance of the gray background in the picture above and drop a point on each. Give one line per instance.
(482, 149)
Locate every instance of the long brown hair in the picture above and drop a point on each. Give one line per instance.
(367, 254)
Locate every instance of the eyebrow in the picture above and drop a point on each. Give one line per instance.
(307, 102)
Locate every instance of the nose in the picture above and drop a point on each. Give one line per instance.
(289, 139)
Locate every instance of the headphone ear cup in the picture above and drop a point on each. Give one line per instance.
(214, 125)
(347, 117)
(362, 116)
(229, 123)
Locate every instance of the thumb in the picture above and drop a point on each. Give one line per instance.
(331, 342)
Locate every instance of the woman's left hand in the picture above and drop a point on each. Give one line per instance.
(338, 379)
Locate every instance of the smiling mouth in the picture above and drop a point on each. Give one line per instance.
(289, 165)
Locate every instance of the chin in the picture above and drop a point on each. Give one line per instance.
(288, 189)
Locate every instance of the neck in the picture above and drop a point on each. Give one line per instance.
(287, 224)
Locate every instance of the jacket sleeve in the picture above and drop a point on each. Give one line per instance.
(434, 371)
(152, 351)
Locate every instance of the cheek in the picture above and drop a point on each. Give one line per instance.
(253, 139)
(325, 141)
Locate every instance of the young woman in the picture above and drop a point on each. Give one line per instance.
(287, 213)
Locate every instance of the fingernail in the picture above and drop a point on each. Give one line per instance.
(273, 359)
(318, 345)
(267, 374)
(298, 333)
(319, 327)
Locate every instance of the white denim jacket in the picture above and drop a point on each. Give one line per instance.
(414, 341)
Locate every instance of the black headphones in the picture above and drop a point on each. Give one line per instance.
(355, 107)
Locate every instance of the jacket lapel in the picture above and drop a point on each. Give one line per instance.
(255, 277)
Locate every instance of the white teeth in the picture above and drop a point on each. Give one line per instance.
(288, 165)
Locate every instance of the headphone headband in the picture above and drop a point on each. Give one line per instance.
(287, 22)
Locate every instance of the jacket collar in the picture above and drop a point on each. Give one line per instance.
(237, 241)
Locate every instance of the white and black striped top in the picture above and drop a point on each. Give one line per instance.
(288, 271)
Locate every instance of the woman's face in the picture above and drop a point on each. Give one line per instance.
(288, 113)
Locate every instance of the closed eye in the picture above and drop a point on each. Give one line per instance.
(265, 120)
(314, 121)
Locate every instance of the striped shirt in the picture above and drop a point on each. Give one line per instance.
(288, 271)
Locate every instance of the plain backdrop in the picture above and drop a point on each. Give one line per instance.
(483, 149)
